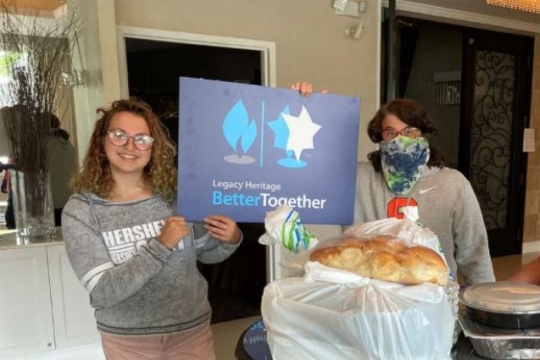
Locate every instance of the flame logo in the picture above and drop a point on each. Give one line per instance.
(294, 134)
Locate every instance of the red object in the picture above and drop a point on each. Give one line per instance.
(395, 205)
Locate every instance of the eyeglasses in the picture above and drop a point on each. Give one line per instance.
(410, 132)
(118, 137)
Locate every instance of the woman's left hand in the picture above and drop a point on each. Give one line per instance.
(223, 228)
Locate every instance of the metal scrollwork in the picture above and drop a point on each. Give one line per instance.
(491, 134)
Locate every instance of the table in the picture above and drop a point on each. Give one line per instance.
(252, 345)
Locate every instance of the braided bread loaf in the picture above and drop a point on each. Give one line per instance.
(384, 258)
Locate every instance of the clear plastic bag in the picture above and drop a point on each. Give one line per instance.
(334, 314)
(406, 230)
(411, 231)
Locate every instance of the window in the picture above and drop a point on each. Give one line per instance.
(8, 61)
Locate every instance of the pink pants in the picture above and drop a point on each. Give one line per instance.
(195, 344)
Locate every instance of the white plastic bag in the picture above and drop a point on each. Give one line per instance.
(334, 314)
(284, 226)
(410, 230)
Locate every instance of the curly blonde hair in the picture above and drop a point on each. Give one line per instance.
(160, 173)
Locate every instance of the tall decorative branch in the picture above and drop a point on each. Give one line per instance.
(39, 51)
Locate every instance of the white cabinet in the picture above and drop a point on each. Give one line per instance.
(25, 303)
(74, 322)
(43, 306)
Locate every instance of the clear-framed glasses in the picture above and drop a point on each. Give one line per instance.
(118, 137)
(410, 132)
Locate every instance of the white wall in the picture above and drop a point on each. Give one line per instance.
(97, 40)
(310, 39)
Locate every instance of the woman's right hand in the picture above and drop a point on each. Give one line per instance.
(175, 228)
(305, 88)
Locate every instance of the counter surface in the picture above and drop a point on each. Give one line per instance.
(10, 240)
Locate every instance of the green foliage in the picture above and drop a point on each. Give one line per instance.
(7, 60)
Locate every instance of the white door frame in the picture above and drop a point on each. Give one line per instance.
(267, 49)
(268, 78)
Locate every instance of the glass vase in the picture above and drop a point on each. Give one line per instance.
(33, 206)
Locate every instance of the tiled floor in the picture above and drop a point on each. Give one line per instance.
(226, 334)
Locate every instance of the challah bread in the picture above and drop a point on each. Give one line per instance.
(384, 258)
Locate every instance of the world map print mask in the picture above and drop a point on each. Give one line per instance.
(402, 160)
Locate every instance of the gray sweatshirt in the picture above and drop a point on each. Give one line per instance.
(136, 285)
(447, 205)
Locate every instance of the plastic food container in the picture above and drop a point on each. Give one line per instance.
(504, 304)
(499, 343)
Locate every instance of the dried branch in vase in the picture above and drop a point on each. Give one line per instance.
(33, 54)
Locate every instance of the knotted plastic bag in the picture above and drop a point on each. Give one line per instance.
(338, 315)
(335, 314)
(284, 226)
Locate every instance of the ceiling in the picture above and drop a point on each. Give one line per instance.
(42, 5)
(480, 7)
(474, 6)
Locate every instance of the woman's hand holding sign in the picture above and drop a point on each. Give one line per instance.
(223, 228)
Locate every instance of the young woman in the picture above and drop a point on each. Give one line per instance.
(133, 254)
(408, 171)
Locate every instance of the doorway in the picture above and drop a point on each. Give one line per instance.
(495, 112)
(153, 71)
(476, 86)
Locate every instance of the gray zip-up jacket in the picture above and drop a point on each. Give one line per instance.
(136, 285)
(447, 205)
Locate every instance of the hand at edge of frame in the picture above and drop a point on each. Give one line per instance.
(305, 88)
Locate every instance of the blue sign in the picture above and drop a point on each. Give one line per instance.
(246, 149)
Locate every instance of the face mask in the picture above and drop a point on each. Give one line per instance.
(402, 159)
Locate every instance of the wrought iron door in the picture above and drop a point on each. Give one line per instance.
(496, 104)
